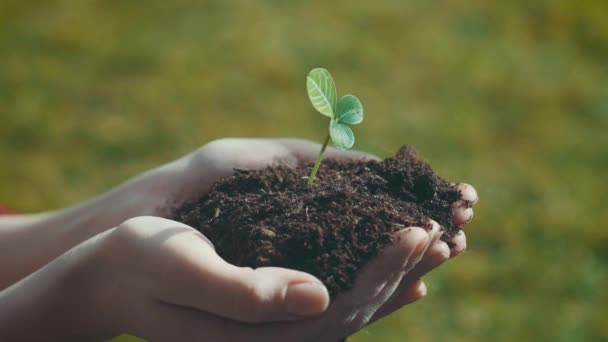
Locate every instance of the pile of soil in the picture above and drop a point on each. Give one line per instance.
(270, 217)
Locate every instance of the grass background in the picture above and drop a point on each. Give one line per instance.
(509, 96)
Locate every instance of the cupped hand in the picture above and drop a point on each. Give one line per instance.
(162, 280)
(193, 175)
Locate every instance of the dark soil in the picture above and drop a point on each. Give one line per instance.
(270, 217)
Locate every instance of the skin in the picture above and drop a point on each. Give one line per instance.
(113, 265)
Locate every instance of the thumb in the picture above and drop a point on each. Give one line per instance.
(194, 276)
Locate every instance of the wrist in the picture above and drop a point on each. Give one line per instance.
(136, 197)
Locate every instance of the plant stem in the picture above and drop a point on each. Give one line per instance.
(313, 174)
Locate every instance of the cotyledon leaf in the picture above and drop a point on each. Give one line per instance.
(341, 135)
(350, 110)
(322, 91)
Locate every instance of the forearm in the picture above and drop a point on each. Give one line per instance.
(28, 242)
(57, 302)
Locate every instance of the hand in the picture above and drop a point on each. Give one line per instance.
(198, 296)
(193, 175)
(411, 287)
(28, 242)
(219, 159)
(173, 183)
(162, 280)
(184, 291)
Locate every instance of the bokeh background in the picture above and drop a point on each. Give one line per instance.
(511, 96)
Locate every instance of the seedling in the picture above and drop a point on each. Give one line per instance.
(348, 111)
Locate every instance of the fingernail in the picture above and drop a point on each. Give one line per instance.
(306, 299)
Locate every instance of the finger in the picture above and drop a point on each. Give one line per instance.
(412, 293)
(468, 193)
(307, 151)
(435, 232)
(195, 173)
(460, 244)
(462, 215)
(406, 250)
(222, 156)
(353, 309)
(254, 296)
(198, 278)
(435, 255)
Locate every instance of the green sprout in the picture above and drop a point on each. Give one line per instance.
(348, 111)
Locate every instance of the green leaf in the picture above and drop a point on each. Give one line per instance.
(322, 91)
(341, 135)
(350, 110)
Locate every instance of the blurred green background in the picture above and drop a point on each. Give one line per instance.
(511, 97)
